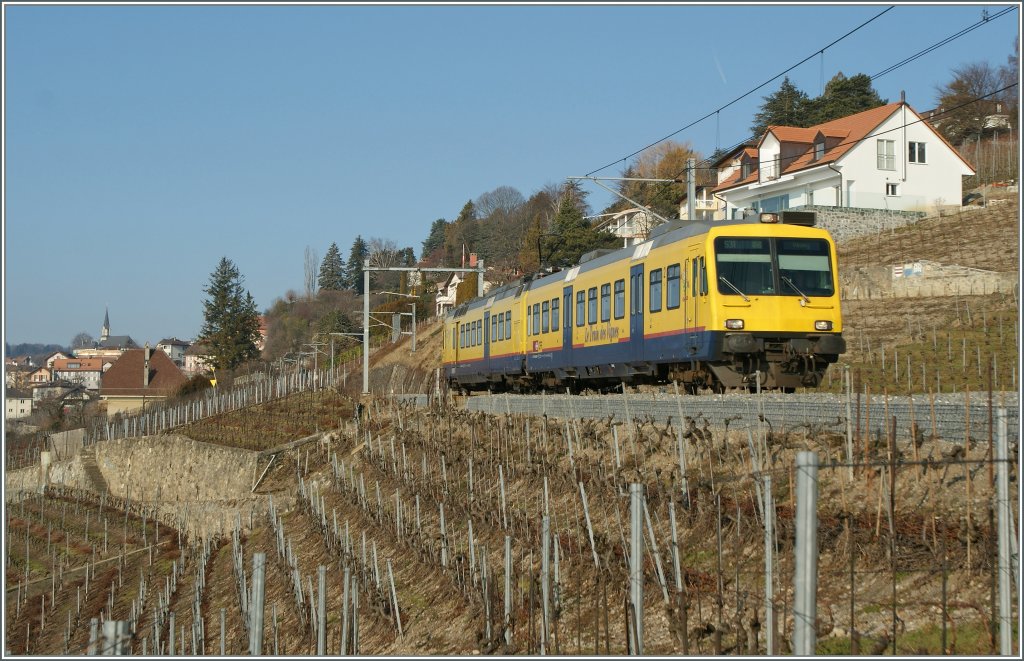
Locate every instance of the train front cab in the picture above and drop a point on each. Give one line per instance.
(775, 304)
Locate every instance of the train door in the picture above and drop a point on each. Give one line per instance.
(692, 303)
(636, 311)
(567, 325)
(487, 338)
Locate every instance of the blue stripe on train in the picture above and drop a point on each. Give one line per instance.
(700, 345)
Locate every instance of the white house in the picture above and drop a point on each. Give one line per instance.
(17, 404)
(883, 158)
(85, 371)
(198, 359)
(175, 349)
(631, 225)
(445, 299)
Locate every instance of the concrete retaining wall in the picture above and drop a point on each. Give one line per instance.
(867, 282)
(66, 444)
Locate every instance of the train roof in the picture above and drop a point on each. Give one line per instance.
(662, 235)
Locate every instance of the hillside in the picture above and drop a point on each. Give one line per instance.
(982, 238)
(429, 496)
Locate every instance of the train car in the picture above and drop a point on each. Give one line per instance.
(707, 304)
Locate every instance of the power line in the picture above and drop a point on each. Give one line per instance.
(888, 70)
(941, 43)
(745, 94)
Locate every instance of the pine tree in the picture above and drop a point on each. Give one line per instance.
(332, 270)
(844, 97)
(434, 240)
(787, 107)
(572, 236)
(231, 321)
(354, 267)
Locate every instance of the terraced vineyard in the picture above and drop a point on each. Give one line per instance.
(466, 532)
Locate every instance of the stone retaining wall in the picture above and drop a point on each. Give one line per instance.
(201, 487)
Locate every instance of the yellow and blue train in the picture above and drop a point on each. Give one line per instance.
(707, 304)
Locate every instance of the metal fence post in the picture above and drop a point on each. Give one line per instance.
(321, 611)
(259, 561)
(636, 569)
(805, 580)
(1005, 519)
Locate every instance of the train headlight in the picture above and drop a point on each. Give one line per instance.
(734, 324)
(823, 325)
(769, 217)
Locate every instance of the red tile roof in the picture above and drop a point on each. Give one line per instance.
(125, 377)
(791, 134)
(84, 364)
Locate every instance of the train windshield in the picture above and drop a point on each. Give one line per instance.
(759, 266)
(744, 265)
(804, 265)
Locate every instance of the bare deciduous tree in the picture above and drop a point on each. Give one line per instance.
(311, 265)
(499, 202)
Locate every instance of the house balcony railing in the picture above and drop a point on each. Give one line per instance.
(705, 205)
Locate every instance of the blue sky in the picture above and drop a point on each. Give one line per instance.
(143, 143)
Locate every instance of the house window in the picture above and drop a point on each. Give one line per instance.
(606, 302)
(620, 299)
(886, 154)
(819, 150)
(655, 290)
(892, 190)
(915, 152)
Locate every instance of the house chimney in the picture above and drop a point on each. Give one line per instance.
(472, 260)
(145, 368)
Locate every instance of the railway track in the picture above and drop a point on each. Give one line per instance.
(953, 419)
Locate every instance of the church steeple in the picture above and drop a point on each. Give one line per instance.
(105, 331)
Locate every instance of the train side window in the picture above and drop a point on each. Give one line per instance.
(508, 325)
(703, 278)
(545, 316)
(479, 331)
(620, 299)
(592, 305)
(536, 318)
(554, 314)
(606, 302)
(672, 287)
(462, 336)
(581, 308)
(693, 278)
(494, 328)
(655, 290)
